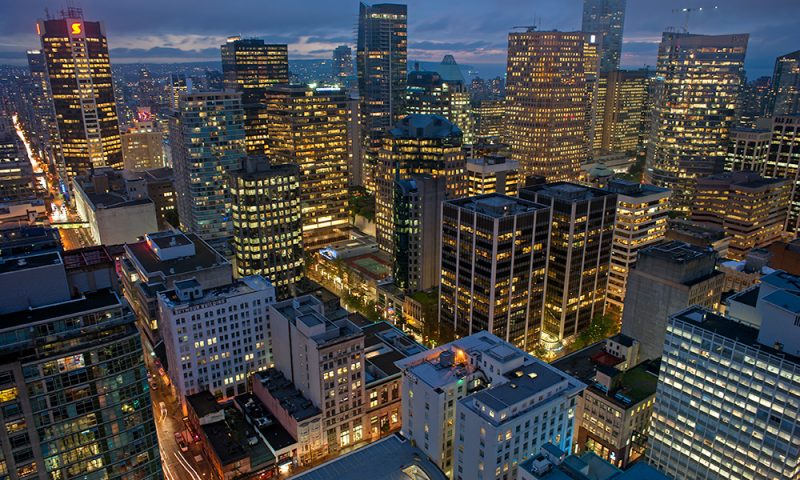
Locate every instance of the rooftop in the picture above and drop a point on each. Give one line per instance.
(566, 191)
(290, 398)
(392, 458)
(240, 286)
(523, 383)
(87, 257)
(233, 439)
(385, 344)
(89, 302)
(203, 403)
(424, 126)
(729, 328)
(626, 188)
(29, 261)
(496, 205)
(676, 251)
(148, 261)
(262, 420)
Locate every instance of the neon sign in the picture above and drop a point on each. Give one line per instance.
(77, 28)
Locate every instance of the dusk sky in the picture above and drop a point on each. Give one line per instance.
(475, 31)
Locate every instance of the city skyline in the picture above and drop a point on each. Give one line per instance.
(475, 35)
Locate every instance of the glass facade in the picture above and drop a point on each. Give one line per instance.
(79, 73)
(74, 397)
(550, 95)
(698, 80)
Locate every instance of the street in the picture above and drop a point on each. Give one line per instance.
(177, 465)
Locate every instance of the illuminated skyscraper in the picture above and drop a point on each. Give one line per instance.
(750, 208)
(308, 127)
(207, 141)
(79, 74)
(622, 111)
(784, 98)
(748, 149)
(784, 162)
(45, 125)
(579, 257)
(728, 388)
(606, 18)
(381, 59)
(641, 221)
(691, 122)
(179, 83)
(429, 93)
(493, 259)
(342, 63)
(492, 174)
(490, 120)
(267, 229)
(16, 173)
(417, 219)
(550, 95)
(418, 144)
(250, 66)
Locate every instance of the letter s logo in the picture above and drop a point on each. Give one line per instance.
(76, 28)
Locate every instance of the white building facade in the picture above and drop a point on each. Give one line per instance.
(216, 338)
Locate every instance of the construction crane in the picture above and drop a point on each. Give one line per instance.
(689, 11)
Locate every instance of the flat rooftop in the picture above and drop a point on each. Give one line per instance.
(732, 329)
(231, 441)
(496, 205)
(392, 458)
(385, 345)
(290, 398)
(524, 382)
(99, 300)
(567, 191)
(240, 286)
(29, 261)
(205, 257)
(676, 251)
(262, 420)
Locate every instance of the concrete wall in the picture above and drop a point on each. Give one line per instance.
(116, 226)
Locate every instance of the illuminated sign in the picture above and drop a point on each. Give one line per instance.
(76, 28)
(38, 29)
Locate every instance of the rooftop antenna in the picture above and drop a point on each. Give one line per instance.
(689, 11)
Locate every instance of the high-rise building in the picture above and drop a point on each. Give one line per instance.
(79, 74)
(159, 183)
(250, 66)
(549, 117)
(493, 257)
(642, 214)
(784, 97)
(429, 93)
(754, 101)
(418, 144)
(267, 228)
(154, 264)
(748, 149)
(478, 406)
(207, 141)
(667, 278)
(622, 111)
(607, 19)
(728, 389)
(381, 65)
(492, 174)
(784, 162)
(308, 127)
(691, 123)
(142, 146)
(342, 63)
(751, 209)
(579, 257)
(490, 120)
(179, 83)
(16, 171)
(219, 358)
(417, 219)
(45, 126)
(73, 383)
